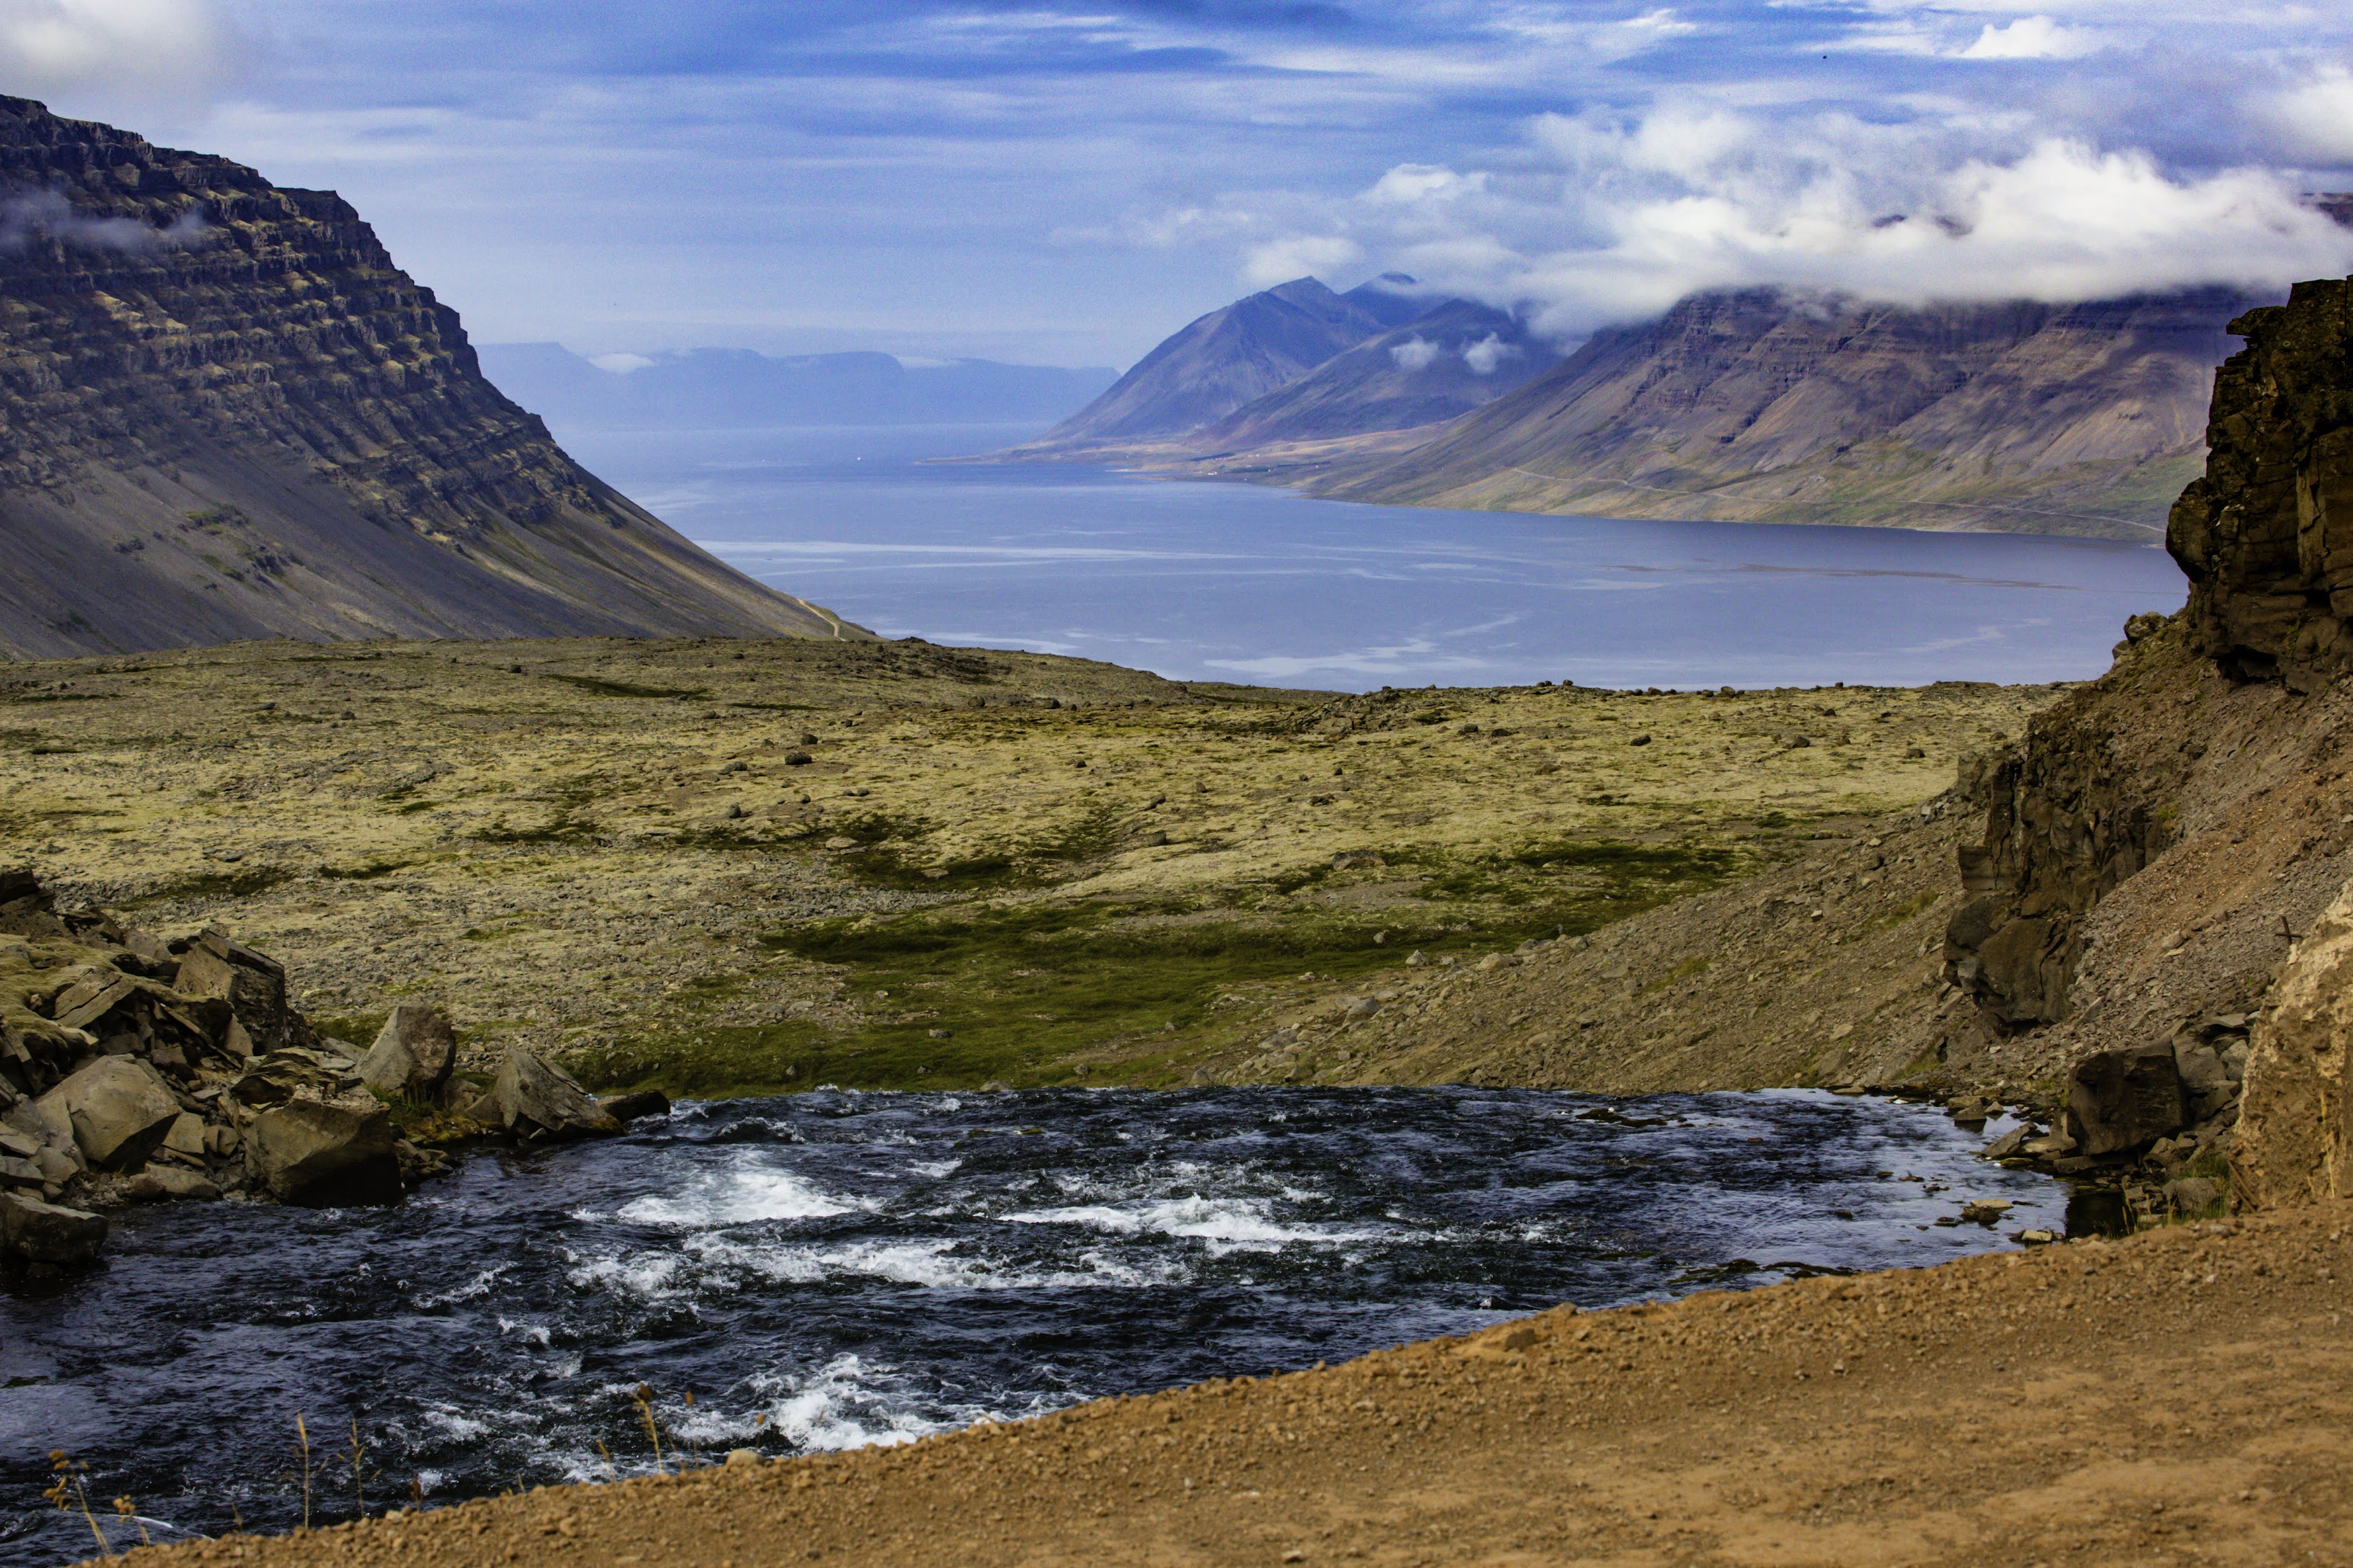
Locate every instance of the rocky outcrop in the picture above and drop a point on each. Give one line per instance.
(2063, 826)
(2266, 534)
(225, 414)
(2292, 1146)
(116, 1088)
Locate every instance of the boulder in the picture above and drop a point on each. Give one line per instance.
(540, 1102)
(322, 1155)
(159, 1183)
(118, 1108)
(253, 985)
(2192, 1195)
(32, 1231)
(632, 1107)
(412, 1056)
(2120, 1100)
(2292, 1146)
(187, 1137)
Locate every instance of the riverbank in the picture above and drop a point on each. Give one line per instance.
(2175, 1396)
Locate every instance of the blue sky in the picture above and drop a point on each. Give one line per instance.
(1065, 184)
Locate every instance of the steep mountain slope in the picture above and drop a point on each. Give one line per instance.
(225, 414)
(735, 389)
(1442, 363)
(1215, 365)
(1762, 407)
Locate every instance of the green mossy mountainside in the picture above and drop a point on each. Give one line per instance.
(228, 414)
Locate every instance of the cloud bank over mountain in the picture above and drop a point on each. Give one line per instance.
(1046, 180)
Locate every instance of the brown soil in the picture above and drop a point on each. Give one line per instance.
(2179, 1396)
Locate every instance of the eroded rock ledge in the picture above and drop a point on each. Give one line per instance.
(134, 1069)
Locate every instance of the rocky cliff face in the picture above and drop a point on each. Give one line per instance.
(2266, 534)
(2161, 888)
(1761, 406)
(224, 412)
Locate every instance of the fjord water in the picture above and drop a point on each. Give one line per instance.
(1233, 582)
(836, 1268)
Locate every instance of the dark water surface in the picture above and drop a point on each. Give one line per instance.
(1233, 582)
(839, 1269)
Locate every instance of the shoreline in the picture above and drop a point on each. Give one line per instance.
(1996, 1409)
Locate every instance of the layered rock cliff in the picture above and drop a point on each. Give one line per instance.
(224, 412)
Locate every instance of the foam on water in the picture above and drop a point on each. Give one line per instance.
(837, 1269)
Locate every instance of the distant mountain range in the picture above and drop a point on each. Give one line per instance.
(228, 414)
(1301, 360)
(1748, 405)
(735, 389)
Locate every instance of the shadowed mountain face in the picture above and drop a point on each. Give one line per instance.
(1759, 406)
(227, 415)
(1440, 364)
(1221, 361)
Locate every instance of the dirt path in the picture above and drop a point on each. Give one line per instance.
(2184, 1396)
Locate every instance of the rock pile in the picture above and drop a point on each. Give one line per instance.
(133, 1069)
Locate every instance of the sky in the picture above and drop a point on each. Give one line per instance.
(1066, 184)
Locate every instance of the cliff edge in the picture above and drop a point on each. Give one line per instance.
(225, 414)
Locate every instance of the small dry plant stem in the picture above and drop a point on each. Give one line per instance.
(644, 1400)
(302, 1443)
(359, 1475)
(70, 1475)
(606, 1454)
(130, 1511)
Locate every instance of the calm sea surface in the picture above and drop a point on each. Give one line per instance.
(834, 1270)
(1229, 582)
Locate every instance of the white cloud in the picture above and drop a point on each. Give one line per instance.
(1636, 214)
(1280, 260)
(619, 363)
(115, 47)
(1413, 355)
(1488, 352)
(2316, 116)
(2033, 38)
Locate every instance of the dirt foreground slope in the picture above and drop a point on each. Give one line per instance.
(2180, 1396)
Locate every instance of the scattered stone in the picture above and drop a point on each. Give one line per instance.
(2049, 1146)
(797, 758)
(636, 1106)
(413, 1056)
(1356, 860)
(742, 1456)
(179, 1183)
(1985, 1211)
(48, 1235)
(1639, 740)
(2120, 1100)
(1417, 958)
(539, 1102)
(322, 1155)
(2036, 1238)
(2011, 1143)
(2192, 1195)
(120, 1108)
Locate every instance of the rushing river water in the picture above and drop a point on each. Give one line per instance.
(839, 1269)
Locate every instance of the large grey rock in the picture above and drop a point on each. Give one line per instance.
(253, 985)
(32, 1231)
(2118, 1100)
(412, 1055)
(119, 1110)
(540, 1102)
(320, 1155)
